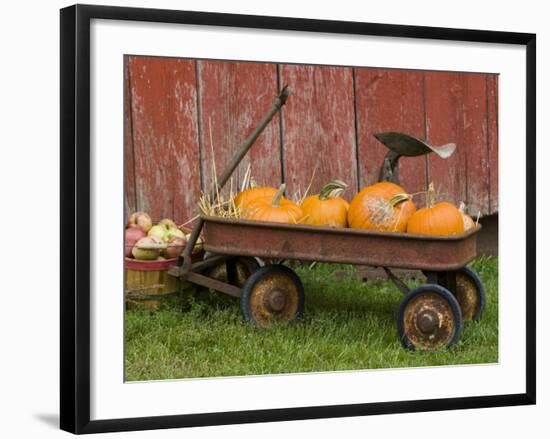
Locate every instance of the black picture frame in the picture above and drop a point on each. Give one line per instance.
(75, 217)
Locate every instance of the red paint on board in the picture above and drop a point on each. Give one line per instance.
(492, 137)
(165, 136)
(456, 111)
(319, 128)
(129, 175)
(234, 96)
(389, 100)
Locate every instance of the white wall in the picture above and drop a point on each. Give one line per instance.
(29, 206)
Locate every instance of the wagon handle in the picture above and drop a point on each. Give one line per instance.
(280, 100)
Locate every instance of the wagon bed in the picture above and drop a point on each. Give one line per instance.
(348, 246)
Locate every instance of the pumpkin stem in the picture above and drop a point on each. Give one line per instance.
(277, 197)
(430, 195)
(462, 207)
(399, 198)
(252, 183)
(332, 189)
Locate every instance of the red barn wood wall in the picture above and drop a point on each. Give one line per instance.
(389, 100)
(164, 121)
(318, 125)
(182, 116)
(233, 97)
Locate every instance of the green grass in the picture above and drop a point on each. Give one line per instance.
(348, 325)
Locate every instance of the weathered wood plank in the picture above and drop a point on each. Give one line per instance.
(444, 124)
(475, 139)
(456, 111)
(129, 175)
(389, 100)
(234, 96)
(165, 135)
(319, 128)
(492, 139)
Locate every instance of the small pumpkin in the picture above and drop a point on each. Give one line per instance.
(243, 199)
(327, 208)
(468, 221)
(382, 206)
(441, 219)
(274, 209)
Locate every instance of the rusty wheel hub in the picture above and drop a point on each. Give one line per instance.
(274, 298)
(467, 296)
(428, 321)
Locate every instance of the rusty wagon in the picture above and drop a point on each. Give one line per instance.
(428, 317)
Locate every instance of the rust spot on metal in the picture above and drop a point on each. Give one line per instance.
(274, 299)
(428, 321)
(467, 296)
(349, 246)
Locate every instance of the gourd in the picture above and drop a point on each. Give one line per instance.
(383, 207)
(327, 208)
(274, 209)
(441, 219)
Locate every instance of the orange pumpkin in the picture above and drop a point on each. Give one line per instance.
(243, 199)
(275, 209)
(468, 221)
(326, 208)
(441, 219)
(382, 206)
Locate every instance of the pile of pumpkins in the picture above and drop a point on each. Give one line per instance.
(383, 206)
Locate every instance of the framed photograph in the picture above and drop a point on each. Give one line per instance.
(275, 218)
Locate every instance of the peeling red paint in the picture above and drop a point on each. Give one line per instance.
(389, 100)
(233, 98)
(176, 111)
(165, 136)
(319, 128)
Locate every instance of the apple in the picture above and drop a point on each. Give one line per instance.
(175, 233)
(145, 254)
(167, 221)
(140, 219)
(175, 247)
(159, 232)
(131, 236)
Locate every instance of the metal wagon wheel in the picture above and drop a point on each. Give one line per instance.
(428, 318)
(467, 287)
(273, 293)
(470, 293)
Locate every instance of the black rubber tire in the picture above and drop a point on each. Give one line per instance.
(440, 291)
(248, 288)
(480, 290)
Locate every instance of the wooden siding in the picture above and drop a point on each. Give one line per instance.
(389, 100)
(318, 128)
(183, 115)
(165, 136)
(233, 98)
